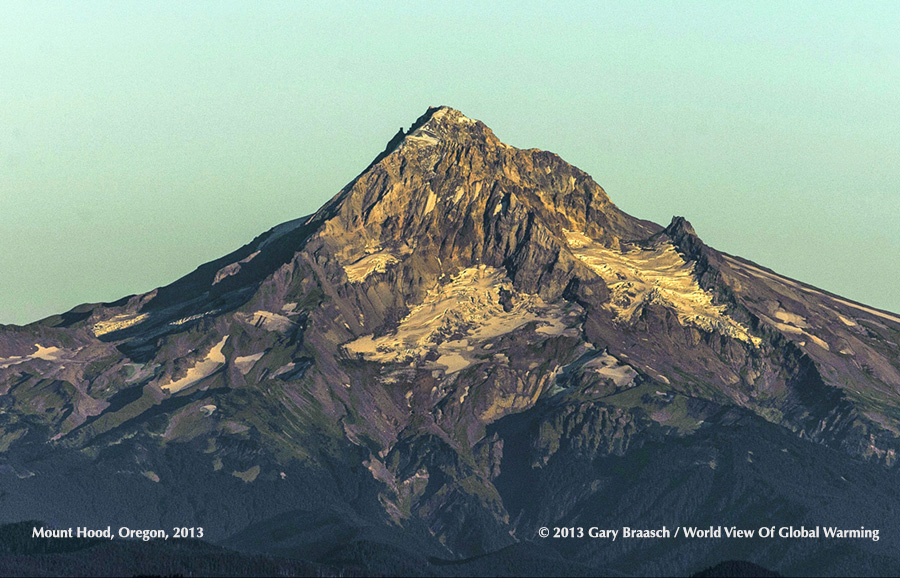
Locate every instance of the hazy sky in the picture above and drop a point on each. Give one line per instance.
(139, 140)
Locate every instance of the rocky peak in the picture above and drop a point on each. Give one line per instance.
(682, 234)
(448, 124)
(451, 193)
(680, 227)
(450, 173)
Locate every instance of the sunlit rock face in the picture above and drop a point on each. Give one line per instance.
(468, 342)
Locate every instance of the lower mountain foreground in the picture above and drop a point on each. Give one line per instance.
(470, 342)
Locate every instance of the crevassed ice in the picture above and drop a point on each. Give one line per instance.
(455, 317)
(117, 323)
(638, 276)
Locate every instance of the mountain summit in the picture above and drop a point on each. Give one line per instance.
(468, 342)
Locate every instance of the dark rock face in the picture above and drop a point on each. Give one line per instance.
(467, 343)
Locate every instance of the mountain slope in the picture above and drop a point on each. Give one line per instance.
(463, 322)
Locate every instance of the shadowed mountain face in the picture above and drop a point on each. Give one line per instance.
(467, 343)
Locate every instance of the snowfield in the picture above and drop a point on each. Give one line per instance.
(456, 318)
(639, 276)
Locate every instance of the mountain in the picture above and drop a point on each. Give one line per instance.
(469, 342)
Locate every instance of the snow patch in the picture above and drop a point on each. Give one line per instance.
(431, 202)
(422, 137)
(608, 366)
(190, 318)
(820, 342)
(794, 330)
(791, 318)
(46, 353)
(868, 310)
(246, 362)
(43, 353)
(456, 116)
(374, 263)
(233, 268)
(201, 370)
(284, 369)
(226, 271)
(266, 320)
(14, 360)
(249, 257)
(847, 322)
(453, 361)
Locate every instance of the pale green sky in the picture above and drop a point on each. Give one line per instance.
(139, 140)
